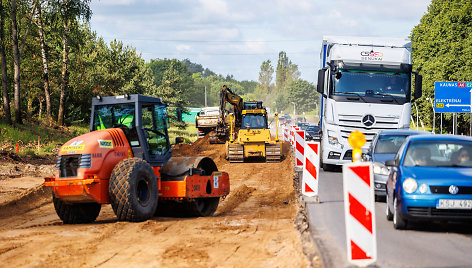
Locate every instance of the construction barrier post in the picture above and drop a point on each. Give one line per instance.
(299, 149)
(286, 134)
(359, 206)
(311, 171)
(359, 209)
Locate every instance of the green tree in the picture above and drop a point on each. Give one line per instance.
(265, 76)
(303, 94)
(442, 51)
(286, 72)
(67, 13)
(5, 91)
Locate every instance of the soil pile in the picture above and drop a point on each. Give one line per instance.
(252, 227)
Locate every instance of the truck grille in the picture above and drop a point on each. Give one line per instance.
(349, 123)
(68, 164)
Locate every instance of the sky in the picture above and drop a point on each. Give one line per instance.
(235, 37)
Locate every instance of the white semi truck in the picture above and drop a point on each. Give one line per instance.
(366, 85)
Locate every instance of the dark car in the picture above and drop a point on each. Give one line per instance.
(302, 125)
(312, 133)
(430, 179)
(385, 146)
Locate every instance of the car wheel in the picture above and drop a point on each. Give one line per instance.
(388, 213)
(398, 222)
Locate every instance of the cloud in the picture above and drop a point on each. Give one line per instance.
(183, 47)
(234, 37)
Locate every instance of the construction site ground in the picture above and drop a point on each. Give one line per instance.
(259, 224)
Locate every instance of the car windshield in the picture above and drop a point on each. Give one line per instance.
(439, 153)
(389, 144)
(254, 121)
(372, 84)
(312, 128)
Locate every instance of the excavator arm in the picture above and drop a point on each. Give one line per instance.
(222, 132)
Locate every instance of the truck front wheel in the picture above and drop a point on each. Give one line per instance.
(133, 190)
(76, 213)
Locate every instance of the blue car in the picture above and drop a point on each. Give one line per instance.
(384, 146)
(430, 179)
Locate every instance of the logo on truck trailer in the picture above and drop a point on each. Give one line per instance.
(372, 55)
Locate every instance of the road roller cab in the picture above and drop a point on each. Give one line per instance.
(126, 160)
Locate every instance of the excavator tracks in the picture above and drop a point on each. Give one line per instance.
(273, 153)
(235, 153)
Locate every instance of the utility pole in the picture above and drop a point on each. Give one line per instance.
(441, 123)
(434, 115)
(206, 104)
(416, 107)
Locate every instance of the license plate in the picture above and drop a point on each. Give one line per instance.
(454, 204)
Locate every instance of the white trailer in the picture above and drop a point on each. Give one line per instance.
(366, 85)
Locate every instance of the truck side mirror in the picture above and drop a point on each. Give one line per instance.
(390, 163)
(418, 86)
(321, 78)
(179, 140)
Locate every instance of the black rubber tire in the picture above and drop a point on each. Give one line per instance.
(388, 212)
(76, 213)
(398, 222)
(202, 207)
(133, 190)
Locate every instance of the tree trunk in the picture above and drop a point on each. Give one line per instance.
(16, 61)
(6, 98)
(40, 113)
(64, 77)
(44, 56)
(29, 26)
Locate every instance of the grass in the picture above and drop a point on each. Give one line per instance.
(51, 138)
(189, 134)
(28, 134)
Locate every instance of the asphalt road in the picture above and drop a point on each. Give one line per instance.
(422, 245)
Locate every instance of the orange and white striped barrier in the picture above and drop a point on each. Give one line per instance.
(299, 148)
(359, 209)
(311, 169)
(286, 134)
(292, 135)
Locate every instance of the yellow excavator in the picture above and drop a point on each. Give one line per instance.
(252, 139)
(221, 133)
(245, 131)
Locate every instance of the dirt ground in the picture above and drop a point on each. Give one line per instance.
(259, 224)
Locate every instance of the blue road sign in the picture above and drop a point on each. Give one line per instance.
(452, 97)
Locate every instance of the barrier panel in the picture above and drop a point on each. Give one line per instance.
(299, 148)
(359, 209)
(311, 169)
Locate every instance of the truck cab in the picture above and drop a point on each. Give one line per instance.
(366, 85)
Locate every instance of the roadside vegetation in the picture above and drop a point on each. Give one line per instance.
(28, 134)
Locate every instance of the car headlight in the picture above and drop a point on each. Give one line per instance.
(380, 169)
(423, 188)
(410, 185)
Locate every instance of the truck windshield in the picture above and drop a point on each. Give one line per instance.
(372, 84)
